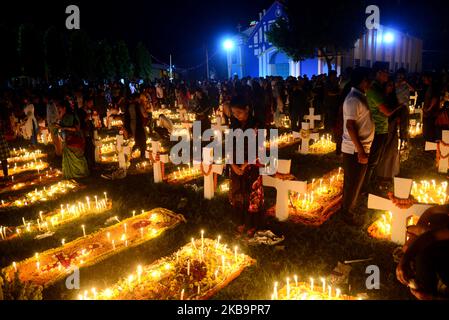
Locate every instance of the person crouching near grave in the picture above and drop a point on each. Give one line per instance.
(424, 266)
(358, 135)
(74, 164)
(246, 193)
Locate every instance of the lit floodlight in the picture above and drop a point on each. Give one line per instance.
(388, 37)
(228, 44)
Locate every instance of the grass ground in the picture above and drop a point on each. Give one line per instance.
(306, 251)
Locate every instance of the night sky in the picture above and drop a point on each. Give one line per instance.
(183, 28)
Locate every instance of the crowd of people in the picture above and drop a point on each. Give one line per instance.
(367, 110)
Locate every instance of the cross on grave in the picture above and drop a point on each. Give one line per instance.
(122, 151)
(414, 99)
(44, 134)
(158, 160)
(312, 118)
(442, 149)
(210, 172)
(402, 189)
(283, 187)
(98, 143)
(305, 137)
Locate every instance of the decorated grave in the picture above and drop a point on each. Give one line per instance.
(47, 267)
(197, 271)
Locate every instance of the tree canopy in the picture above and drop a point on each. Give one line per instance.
(318, 28)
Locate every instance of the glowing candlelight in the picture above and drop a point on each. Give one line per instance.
(288, 288)
(139, 272)
(323, 281)
(296, 280)
(337, 293)
(202, 240)
(108, 235)
(24, 222)
(113, 244)
(38, 266)
(84, 230)
(193, 243)
(63, 242)
(40, 215)
(198, 289)
(125, 227)
(105, 196)
(182, 294)
(88, 202)
(15, 266)
(188, 267)
(141, 233)
(311, 284)
(275, 291)
(134, 213)
(218, 242)
(96, 202)
(235, 253)
(329, 288)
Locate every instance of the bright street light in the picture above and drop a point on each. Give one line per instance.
(388, 37)
(228, 44)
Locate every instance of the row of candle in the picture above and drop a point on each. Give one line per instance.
(317, 192)
(280, 141)
(62, 215)
(44, 194)
(28, 156)
(295, 290)
(430, 192)
(381, 228)
(220, 262)
(185, 173)
(29, 166)
(323, 145)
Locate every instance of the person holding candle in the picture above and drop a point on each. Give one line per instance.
(74, 164)
(246, 194)
(358, 136)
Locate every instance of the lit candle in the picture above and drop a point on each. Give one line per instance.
(141, 233)
(139, 272)
(84, 230)
(288, 288)
(218, 242)
(113, 244)
(193, 243)
(134, 213)
(235, 253)
(15, 266)
(188, 267)
(108, 235)
(202, 240)
(296, 280)
(323, 281)
(311, 284)
(198, 289)
(182, 294)
(329, 288)
(24, 222)
(40, 215)
(105, 196)
(125, 227)
(96, 202)
(337, 293)
(223, 263)
(63, 242)
(38, 266)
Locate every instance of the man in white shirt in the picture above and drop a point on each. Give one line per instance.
(358, 136)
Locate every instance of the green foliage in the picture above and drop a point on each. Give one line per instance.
(123, 63)
(18, 290)
(143, 62)
(105, 68)
(329, 28)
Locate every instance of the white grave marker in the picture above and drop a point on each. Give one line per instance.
(312, 118)
(157, 163)
(402, 189)
(211, 169)
(122, 151)
(283, 187)
(305, 140)
(443, 164)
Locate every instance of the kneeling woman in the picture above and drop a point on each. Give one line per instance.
(246, 194)
(74, 164)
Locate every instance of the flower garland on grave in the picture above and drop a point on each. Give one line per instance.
(402, 203)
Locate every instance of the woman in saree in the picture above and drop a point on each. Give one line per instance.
(246, 195)
(74, 164)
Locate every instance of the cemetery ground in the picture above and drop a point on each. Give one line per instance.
(306, 251)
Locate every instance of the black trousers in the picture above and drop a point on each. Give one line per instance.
(296, 123)
(375, 157)
(354, 174)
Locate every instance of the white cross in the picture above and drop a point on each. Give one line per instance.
(402, 188)
(122, 151)
(283, 188)
(414, 98)
(443, 163)
(305, 141)
(208, 164)
(98, 143)
(157, 166)
(312, 118)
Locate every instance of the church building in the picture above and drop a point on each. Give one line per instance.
(253, 55)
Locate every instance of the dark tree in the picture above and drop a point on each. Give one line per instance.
(104, 66)
(315, 29)
(30, 51)
(81, 55)
(56, 54)
(122, 60)
(143, 62)
(8, 54)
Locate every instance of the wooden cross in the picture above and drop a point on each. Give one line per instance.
(157, 161)
(443, 152)
(402, 189)
(312, 118)
(210, 172)
(283, 188)
(305, 140)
